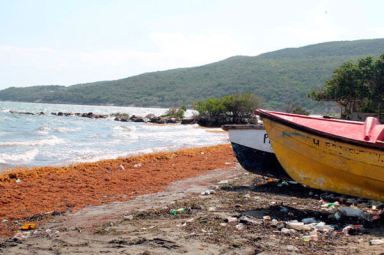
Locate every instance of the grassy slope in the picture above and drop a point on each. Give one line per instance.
(280, 77)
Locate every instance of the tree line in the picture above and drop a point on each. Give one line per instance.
(357, 86)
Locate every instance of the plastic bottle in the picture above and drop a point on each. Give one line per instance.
(177, 211)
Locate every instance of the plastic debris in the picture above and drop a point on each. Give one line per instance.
(311, 237)
(18, 180)
(22, 235)
(376, 242)
(28, 226)
(353, 229)
(211, 209)
(231, 219)
(267, 218)
(137, 165)
(330, 204)
(309, 220)
(240, 226)
(179, 211)
(121, 167)
(321, 226)
(285, 231)
(208, 192)
(300, 226)
(352, 212)
(283, 183)
(223, 182)
(249, 221)
(128, 217)
(274, 222)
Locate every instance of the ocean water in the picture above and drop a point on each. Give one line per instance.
(40, 140)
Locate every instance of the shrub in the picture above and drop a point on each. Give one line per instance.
(231, 109)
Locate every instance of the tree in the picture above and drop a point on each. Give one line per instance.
(355, 86)
(237, 108)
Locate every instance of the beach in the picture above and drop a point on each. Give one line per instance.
(38, 191)
(190, 201)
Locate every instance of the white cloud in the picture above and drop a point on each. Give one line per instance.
(53, 66)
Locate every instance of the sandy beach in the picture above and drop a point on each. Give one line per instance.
(98, 208)
(37, 192)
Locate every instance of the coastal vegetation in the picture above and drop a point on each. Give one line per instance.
(176, 112)
(357, 86)
(280, 78)
(231, 109)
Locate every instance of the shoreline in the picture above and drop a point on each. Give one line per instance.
(30, 192)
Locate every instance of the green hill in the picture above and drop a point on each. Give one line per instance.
(281, 77)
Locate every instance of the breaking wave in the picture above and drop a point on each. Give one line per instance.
(53, 140)
(25, 157)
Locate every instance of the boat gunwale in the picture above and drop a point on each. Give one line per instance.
(271, 116)
(243, 127)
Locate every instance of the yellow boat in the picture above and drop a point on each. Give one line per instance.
(342, 156)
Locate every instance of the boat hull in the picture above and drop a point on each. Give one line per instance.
(259, 162)
(327, 164)
(253, 150)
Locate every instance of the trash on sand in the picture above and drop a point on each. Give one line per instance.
(283, 183)
(22, 235)
(285, 231)
(240, 226)
(337, 216)
(352, 212)
(28, 226)
(274, 222)
(211, 209)
(309, 220)
(300, 226)
(128, 217)
(311, 237)
(267, 218)
(249, 221)
(223, 182)
(4, 221)
(179, 211)
(231, 219)
(353, 229)
(18, 181)
(330, 205)
(137, 165)
(208, 192)
(223, 224)
(121, 167)
(321, 226)
(376, 242)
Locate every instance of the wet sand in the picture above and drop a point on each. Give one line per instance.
(30, 194)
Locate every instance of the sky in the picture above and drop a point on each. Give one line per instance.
(65, 42)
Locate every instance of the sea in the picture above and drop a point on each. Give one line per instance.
(49, 140)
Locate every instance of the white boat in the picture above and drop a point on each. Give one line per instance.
(253, 150)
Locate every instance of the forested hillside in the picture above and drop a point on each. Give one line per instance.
(280, 78)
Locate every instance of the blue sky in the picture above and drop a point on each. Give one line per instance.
(74, 41)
